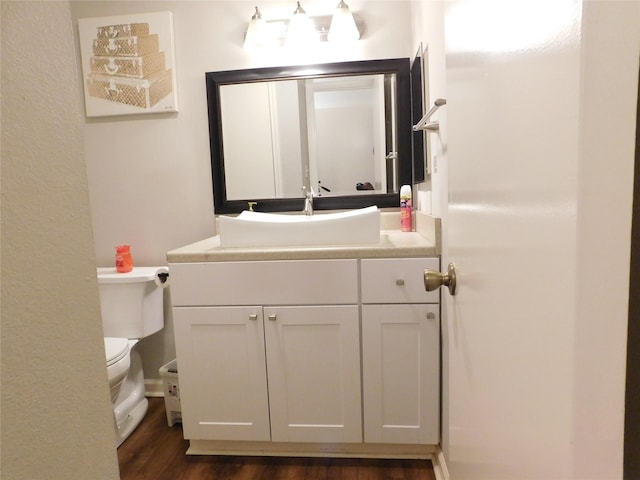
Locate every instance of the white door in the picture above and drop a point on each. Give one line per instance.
(342, 118)
(533, 380)
(249, 164)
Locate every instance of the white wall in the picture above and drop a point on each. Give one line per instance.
(57, 418)
(149, 176)
(428, 29)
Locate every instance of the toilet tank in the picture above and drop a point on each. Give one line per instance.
(131, 303)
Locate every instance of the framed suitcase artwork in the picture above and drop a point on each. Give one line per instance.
(128, 64)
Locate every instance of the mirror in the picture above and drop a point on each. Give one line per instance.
(342, 128)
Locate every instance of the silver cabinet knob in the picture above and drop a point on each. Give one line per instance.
(273, 318)
(434, 280)
(253, 317)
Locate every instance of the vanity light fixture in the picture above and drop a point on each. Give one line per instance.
(256, 35)
(343, 25)
(301, 30)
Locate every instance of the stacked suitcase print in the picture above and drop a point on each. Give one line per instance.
(128, 66)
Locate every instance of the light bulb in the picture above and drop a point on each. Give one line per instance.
(301, 32)
(256, 32)
(343, 26)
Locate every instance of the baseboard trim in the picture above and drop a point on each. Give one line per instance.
(153, 388)
(346, 450)
(440, 466)
(428, 452)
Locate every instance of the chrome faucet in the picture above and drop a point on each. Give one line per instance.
(308, 200)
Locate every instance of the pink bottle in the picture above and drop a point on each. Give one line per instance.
(406, 223)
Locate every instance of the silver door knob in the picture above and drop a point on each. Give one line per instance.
(434, 280)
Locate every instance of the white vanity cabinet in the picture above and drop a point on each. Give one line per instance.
(400, 352)
(336, 355)
(291, 325)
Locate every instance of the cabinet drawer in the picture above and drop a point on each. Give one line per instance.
(399, 280)
(300, 282)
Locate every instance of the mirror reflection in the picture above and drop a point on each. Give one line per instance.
(324, 133)
(333, 127)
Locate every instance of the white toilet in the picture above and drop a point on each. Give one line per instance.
(132, 308)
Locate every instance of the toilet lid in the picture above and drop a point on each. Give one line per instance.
(115, 349)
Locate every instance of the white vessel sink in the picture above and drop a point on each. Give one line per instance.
(257, 229)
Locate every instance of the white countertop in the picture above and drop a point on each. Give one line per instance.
(425, 242)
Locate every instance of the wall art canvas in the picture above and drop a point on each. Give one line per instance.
(128, 64)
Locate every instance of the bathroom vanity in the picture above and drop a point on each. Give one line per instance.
(309, 350)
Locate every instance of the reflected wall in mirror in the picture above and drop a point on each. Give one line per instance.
(325, 132)
(342, 128)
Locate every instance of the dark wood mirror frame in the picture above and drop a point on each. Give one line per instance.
(398, 66)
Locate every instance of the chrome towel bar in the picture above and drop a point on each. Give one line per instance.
(431, 126)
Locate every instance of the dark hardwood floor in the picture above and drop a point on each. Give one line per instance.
(156, 451)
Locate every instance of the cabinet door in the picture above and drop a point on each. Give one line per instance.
(400, 368)
(313, 358)
(221, 362)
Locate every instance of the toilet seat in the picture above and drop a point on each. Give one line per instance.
(115, 349)
(118, 362)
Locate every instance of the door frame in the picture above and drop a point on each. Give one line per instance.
(631, 464)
